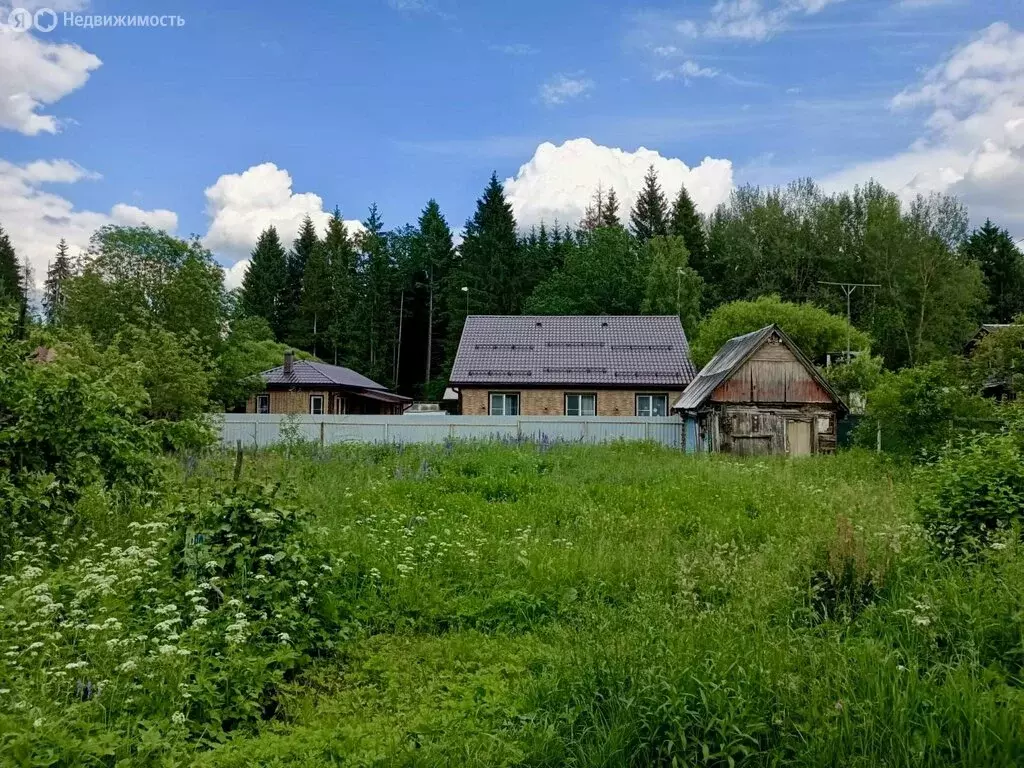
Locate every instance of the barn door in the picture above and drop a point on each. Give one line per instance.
(798, 438)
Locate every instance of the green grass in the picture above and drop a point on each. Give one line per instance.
(629, 605)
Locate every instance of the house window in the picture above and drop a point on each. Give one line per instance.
(580, 405)
(824, 425)
(262, 403)
(504, 403)
(316, 405)
(652, 405)
(339, 404)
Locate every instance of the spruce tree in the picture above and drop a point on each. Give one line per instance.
(264, 287)
(1003, 268)
(377, 311)
(686, 223)
(12, 291)
(54, 291)
(341, 261)
(610, 212)
(315, 304)
(492, 268)
(302, 248)
(649, 217)
(435, 257)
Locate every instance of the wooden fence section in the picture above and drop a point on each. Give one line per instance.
(262, 430)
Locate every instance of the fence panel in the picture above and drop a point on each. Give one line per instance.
(262, 430)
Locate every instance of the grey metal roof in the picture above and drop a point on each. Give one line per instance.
(606, 350)
(728, 360)
(306, 373)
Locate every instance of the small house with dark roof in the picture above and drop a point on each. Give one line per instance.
(761, 395)
(309, 387)
(604, 365)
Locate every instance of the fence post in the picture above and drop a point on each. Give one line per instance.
(256, 432)
(386, 438)
(321, 433)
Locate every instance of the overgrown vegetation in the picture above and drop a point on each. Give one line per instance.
(524, 605)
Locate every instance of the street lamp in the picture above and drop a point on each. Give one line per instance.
(465, 290)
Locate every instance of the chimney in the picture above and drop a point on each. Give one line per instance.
(289, 362)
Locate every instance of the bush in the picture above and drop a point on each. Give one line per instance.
(186, 632)
(975, 493)
(920, 409)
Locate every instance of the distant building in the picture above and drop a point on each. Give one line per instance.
(761, 395)
(604, 365)
(307, 387)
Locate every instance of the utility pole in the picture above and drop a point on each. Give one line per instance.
(679, 280)
(848, 289)
(430, 331)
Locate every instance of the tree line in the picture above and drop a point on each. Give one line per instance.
(391, 303)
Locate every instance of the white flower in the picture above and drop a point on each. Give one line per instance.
(284, 637)
(178, 718)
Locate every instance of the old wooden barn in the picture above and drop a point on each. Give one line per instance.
(761, 395)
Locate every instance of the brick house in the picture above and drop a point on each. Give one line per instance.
(308, 387)
(542, 365)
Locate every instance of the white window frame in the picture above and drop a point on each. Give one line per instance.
(312, 410)
(579, 409)
(340, 405)
(260, 401)
(506, 397)
(650, 398)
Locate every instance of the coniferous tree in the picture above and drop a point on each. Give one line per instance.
(593, 216)
(342, 262)
(302, 248)
(610, 211)
(649, 217)
(315, 304)
(686, 223)
(265, 285)
(378, 311)
(491, 265)
(434, 256)
(54, 291)
(1003, 268)
(12, 290)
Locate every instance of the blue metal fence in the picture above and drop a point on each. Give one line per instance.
(262, 430)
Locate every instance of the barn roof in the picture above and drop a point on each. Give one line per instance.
(576, 350)
(733, 354)
(308, 373)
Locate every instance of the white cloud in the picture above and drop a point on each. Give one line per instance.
(235, 274)
(35, 73)
(562, 88)
(687, 71)
(559, 181)
(515, 49)
(242, 205)
(972, 141)
(37, 219)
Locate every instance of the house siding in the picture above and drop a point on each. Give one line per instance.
(290, 401)
(551, 402)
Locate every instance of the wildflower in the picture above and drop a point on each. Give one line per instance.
(178, 718)
(284, 637)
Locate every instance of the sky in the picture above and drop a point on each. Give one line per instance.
(252, 113)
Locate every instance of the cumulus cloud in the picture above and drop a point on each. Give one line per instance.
(35, 73)
(563, 88)
(36, 218)
(234, 274)
(972, 141)
(241, 205)
(559, 181)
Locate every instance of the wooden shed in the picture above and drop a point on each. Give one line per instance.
(761, 395)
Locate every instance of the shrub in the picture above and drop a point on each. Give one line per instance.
(975, 492)
(188, 631)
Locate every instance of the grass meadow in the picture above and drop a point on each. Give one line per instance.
(626, 605)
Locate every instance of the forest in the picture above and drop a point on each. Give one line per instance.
(390, 302)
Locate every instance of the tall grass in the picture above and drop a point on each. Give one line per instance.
(629, 605)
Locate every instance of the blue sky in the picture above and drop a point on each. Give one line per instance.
(397, 101)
